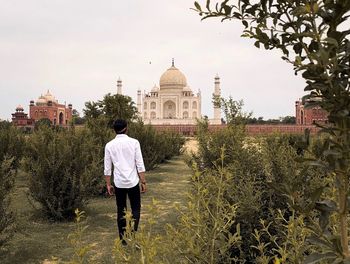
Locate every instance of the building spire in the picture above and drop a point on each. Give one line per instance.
(119, 86)
(172, 63)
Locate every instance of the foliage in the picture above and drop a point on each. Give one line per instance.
(11, 150)
(263, 170)
(210, 144)
(233, 110)
(156, 146)
(7, 219)
(313, 37)
(111, 107)
(143, 246)
(281, 120)
(63, 170)
(11, 143)
(77, 119)
(42, 122)
(76, 239)
(204, 232)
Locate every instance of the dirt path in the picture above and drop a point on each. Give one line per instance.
(167, 184)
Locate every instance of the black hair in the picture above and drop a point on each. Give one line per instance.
(120, 126)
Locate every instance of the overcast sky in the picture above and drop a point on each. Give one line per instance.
(78, 49)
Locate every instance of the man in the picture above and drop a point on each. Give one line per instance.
(128, 174)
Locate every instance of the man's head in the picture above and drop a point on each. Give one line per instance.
(120, 126)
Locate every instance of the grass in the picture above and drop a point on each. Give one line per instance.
(38, 239)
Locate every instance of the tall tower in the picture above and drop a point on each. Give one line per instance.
(119, 86)
(139, 105)
(217, 94)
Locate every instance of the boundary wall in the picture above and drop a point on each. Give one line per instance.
(253, 130)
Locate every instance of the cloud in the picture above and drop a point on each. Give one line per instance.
(78, 49)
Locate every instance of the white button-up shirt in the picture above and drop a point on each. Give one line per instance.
(125, 154)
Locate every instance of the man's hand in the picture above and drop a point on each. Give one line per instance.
(143, 187)
(110, 189)
(142, 181)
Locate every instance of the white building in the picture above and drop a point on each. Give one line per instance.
(173, 102)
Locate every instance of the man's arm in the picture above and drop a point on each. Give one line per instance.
(143, 181)
(140, 167)
(108, 171)
(109, 186)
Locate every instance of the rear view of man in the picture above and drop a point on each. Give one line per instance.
(124, 153)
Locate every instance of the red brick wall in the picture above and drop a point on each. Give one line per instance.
(252, 130)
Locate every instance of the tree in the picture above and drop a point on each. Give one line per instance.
(288, 120)
(111, 107)
(63, 169)
(233, 110)
(42, 122)
(312, 37)
(11, 150)
(76, 118)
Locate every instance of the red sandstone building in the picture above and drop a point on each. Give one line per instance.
(20, 119)
(309, 116)
(46, 107)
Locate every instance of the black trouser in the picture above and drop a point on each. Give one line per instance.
(135, 203)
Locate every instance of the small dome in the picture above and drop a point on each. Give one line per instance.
(172, 78)
(155, 89)
(19, 108)
(41, 100)
(187, 89)
(49, 97)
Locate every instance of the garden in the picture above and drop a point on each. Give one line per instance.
(232, 199)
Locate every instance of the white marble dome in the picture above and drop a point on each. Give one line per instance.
(49, 97)
(41, 100)
(172, 78)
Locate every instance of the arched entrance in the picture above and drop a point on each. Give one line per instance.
(60, 118)
(301, 117)
(169, 109)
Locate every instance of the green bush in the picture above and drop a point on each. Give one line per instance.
(11, 150)
(266, 180)
(63, 170)
(156, 146)
(7, 219)
(11, 143)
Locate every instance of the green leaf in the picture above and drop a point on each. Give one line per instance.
(298, 48)
(331, 41)
(198, 7)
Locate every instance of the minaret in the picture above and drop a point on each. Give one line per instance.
(139, 105)
(119, 86)
(217, 94)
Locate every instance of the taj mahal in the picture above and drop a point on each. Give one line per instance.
(173, 102)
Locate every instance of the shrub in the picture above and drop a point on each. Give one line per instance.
(204, 233)
(266, 180)
(156, 146)
(7, 219)
(11, 149)
(63, 170)
(11, 143)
